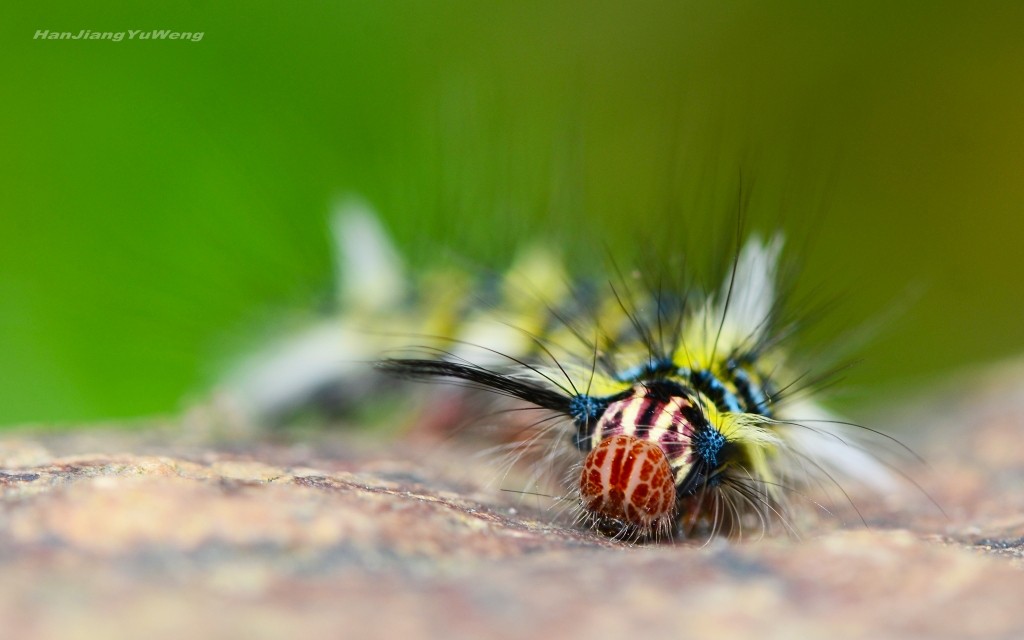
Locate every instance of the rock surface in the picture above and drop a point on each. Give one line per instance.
(159, 533)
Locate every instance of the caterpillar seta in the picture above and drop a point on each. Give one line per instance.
(665, 412)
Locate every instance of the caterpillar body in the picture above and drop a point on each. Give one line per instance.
(666, 413)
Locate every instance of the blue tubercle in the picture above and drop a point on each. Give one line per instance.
(585, 409)
(707, 444)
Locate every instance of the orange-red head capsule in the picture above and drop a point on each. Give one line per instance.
(629, 480)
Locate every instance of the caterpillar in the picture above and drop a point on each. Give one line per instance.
(666, 412)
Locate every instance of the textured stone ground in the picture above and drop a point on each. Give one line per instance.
(166, 533)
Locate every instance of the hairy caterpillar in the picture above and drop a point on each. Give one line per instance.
(668, 412)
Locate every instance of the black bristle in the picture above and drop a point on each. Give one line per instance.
(496, 382)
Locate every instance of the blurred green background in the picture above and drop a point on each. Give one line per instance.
(163, 203)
